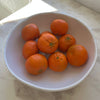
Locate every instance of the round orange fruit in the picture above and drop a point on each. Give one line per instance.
(29, 48)
(30, 32)
(59, 27)
(47, 43)
(36, 64)
(57, 62)
(77, 55)
(44, 33)
(66, 41)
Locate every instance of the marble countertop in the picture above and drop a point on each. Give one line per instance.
(12, 89)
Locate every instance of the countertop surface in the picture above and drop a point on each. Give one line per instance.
(12, 89)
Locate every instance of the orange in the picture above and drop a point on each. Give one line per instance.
(36, 64)
(47, 43)
(57, 62)
(29, 48)
(44, 33)
(77, 55)
(59, 27)
(30, 32)
(66, 41)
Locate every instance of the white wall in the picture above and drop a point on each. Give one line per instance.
(10, 6)
(93, 4)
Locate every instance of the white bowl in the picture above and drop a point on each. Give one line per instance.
(49, 80)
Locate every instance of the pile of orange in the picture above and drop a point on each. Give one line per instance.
(48, 43)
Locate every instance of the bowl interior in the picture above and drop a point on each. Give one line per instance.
(49, 79)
